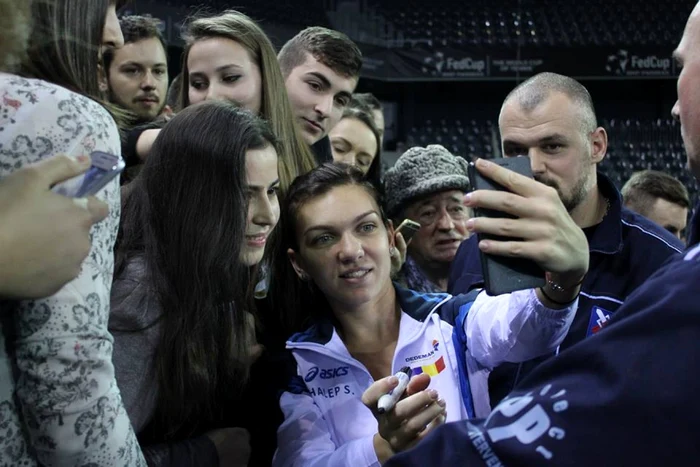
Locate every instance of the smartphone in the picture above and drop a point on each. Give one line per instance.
(103, 169)
(408, 229)
(504, 274)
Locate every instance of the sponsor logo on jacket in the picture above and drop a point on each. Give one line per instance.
(598, 320)
(328, 373)
(433, 369)
(423, 356)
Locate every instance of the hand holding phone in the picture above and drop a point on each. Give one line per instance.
(504, 274)
(523, 227)
(408, 229)
(104, 167)
(46, 237)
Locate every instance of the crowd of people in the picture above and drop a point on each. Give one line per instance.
(242, 293)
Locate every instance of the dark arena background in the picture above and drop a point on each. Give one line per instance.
(442, 67)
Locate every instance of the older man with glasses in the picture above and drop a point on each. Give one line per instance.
(427, 185)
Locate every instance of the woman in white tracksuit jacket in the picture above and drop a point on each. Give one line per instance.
(367, 328)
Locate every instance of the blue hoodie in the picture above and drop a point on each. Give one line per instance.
(624, 397)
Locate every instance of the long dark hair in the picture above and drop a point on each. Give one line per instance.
(65, 42)
(299, 303)
(186, 215)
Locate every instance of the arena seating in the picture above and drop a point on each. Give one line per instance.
(527, 22)
(469, 139)
(646, 144)
(634, 144)
(271, 11)
(506, 23)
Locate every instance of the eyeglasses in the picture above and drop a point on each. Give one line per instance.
(429, 214)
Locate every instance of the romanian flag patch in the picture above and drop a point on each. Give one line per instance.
(433, 369)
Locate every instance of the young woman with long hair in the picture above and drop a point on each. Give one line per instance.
(194, 227)
(363, 328)
(234, 40)
(59, 401)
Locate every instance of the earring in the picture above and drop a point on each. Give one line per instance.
(304, 277)
(392, 251)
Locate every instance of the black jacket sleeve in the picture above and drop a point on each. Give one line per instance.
(131, 137)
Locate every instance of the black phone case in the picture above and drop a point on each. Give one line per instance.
(408, 232)
(503, 274)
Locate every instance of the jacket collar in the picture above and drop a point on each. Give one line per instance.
(607, 238)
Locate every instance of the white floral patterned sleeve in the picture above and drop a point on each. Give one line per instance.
(59, 402)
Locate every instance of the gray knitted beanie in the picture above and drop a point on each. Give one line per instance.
(422, 171)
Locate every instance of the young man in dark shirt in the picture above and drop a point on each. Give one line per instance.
(321, 68)
(625, 397)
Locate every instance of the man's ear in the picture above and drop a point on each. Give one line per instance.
(599, 145)
(295, 260)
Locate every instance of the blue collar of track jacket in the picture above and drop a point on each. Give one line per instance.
(607, 238)
(415, 304)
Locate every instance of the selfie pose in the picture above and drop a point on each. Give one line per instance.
(364, 328)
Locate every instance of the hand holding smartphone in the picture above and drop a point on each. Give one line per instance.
(104, 168)
(408, 229)
(503, 274)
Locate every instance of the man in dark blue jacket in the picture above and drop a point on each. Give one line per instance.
(625, 397)
(551, 118)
